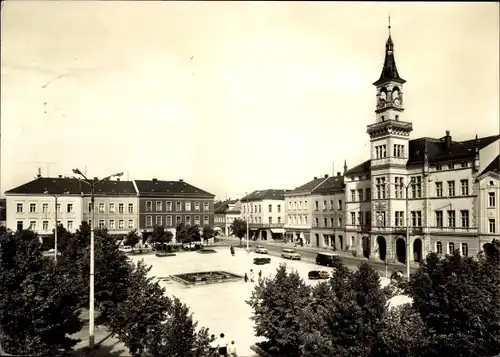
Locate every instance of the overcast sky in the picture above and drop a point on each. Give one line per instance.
(232, 96)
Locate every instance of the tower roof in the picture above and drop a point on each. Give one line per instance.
(389, 71)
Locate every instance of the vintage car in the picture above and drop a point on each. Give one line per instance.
(260, 249)
(261, 261)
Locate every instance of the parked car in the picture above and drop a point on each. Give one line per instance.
(317, 274)
(126, 249)
(327, 259)
(290, 254)
(261, 261)
(260, 249)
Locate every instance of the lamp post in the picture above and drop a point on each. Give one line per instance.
(55, 224)
(92, 185)
(248, 216)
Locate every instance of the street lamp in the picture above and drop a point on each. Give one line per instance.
(55, 224)
(248, 217)
(92, 185)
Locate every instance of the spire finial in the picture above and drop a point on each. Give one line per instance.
(389, 24)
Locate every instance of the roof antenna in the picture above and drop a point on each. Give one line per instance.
(39, 174)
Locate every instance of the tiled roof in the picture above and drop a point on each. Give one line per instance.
(438, 152)
(308, 187)
(360, 169)
(73, 187)
(158, 188)
(493, 166)
(331, 184)
(265, 195)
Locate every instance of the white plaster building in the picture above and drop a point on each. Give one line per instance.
(488, 208)
(440, 175)
(265, 212)
(225, 214)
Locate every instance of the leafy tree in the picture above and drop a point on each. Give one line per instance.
(181, 232)
(38, 304)
(208, 232)
(239, 228)
(194, 233)
(277, 303)
(458, 304)
(161, 236)
(132, 238)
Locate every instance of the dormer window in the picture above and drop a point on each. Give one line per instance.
(382, 118)
(397, 117)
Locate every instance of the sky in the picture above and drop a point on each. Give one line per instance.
(232, 96)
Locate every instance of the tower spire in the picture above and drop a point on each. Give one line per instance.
(389, 25)
(389, 70)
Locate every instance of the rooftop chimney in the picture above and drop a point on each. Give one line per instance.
(96, 178)
(181, 180)
(338, 174)
(60, 176)
(315, 177)
(326, 175)
(447, 140)
(117, 179)
(155, 179)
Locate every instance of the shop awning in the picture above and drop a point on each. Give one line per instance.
(278, 230)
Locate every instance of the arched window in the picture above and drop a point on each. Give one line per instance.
(465, 249)
(439, 248)
(451, 248)
(353, 242)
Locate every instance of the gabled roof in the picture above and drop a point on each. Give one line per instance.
(331, 184)
(308, 187)
(265, 195)
(158, 188)
(360, 169)
(58, 186)
(492, 167)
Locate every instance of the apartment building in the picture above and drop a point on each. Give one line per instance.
(169, 203)
(264, 211)
(224, 215)
(488, 216)
(436, 178)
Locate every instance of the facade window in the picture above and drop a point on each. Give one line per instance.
(451, 248)
(32, 225)
(130, 223)
(101, 207)
(353, 195)
(464, 164)
(130, 208)
(464, 218)
(19, 225)
(332, 206)
(325, 206)
(340, 205)
(121, 208)
(439, 168)
(45, 208)
(19, 208)
(178, 206)
(149, 222)
(270, 208)
(399, 216)
(451, 188)
(279, 208)
(492, 226)
(331, 222)
(381, 151)
(439, 248)
(197, 206)
(169, 206)
(111, 224)
(111, 208)
(325, 222)
(416, 218)
(465, 187)
(450, 167)
(360, 194)
(58, 208)
(305, 204)
(187, 206)
(316, 205)
(149, 206)
(188, 220)
(45, 225)
(398, 187)
(90, 206)
(339, 222)
(451, 219)
(197, 220)
(178, 219)
(69, 208)
(206, 221)
(416, 186)
(380, 186)
(69, 225)
(90, 224)
(205, 206)
(101, 224)
(353, 218)
(168, 221)
(491, 199)
(439, 218)
(270, 220)
(439, 189)
(32, 207)
(316, 222)
(465, 249)
(121, 224)
(368, 218)
(368, 194)
(159, 220)
(360, 218)
(159, 206)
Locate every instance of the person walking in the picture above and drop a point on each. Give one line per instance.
(231, 351)
(222, 344)
(251, 275)
(213, 346)
(260, 274)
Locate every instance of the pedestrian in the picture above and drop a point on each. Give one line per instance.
(251, 275)
(260, 274)
(246, 277)
(213, 346)
(222, 346)
(232, 350)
